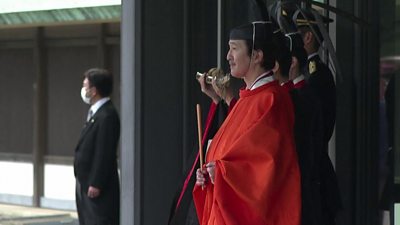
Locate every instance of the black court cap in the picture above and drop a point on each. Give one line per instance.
(295, 43)
(260, 31)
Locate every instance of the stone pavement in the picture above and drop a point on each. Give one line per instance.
(23, 215)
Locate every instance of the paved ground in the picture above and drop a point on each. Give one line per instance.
(21, 215)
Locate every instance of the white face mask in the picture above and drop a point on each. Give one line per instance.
(84, 96)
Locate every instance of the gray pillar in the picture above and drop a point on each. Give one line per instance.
(130, 113)
(155, 98)
(39, 118)
(219, 34)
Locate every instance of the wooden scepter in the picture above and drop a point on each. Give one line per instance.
(200, 135)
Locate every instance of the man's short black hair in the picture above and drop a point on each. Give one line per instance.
(305, 29)
(101, 79)
(284, 56)
(269, 50)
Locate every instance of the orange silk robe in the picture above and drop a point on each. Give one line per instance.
(257, 178)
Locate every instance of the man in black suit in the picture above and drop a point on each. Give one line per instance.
(95, 165)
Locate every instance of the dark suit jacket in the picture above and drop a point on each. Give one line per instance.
(96, 158)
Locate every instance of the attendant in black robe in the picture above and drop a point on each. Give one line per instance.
(308, 131)
(388, 196)
(182, 210)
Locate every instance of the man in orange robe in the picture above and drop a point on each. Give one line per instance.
(252, 174)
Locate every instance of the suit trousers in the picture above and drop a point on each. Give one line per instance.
(88, 209)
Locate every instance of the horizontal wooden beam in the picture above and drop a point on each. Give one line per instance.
(65, 42)
(16, 157)
(48, 159)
